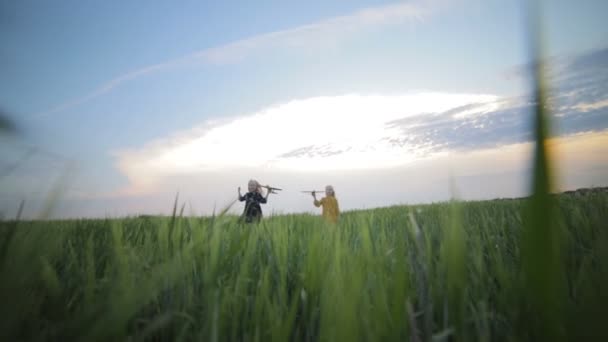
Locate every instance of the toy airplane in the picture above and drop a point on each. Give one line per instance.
(271, 189)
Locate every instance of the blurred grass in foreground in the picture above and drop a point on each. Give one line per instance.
(293, 277)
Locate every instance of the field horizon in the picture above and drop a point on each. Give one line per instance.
(576, 192)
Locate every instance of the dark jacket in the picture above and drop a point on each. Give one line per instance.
(253, 210)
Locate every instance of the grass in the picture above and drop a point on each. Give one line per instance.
(372, 277)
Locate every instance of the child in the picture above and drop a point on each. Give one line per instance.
(253, 199)
(331, 211)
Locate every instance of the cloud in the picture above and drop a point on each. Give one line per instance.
(596, 60)
(568, 70)
(578, 95)
(315, 134)
(571, 76)
(327, 32)
(372, 131)
(587, 107)
(318, 33)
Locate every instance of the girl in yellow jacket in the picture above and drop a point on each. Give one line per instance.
(330, 210)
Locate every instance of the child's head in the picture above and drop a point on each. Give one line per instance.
(254, 186)
(329, 191)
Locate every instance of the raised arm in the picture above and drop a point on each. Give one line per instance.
(241, 198)
(315, 202)
(268, 191)
(263, 199)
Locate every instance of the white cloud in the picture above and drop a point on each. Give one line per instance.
(321, 33)
(483, 108)
(586, 107)
(318, 33)
(317, 134)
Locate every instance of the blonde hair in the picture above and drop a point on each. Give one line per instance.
(258, 186)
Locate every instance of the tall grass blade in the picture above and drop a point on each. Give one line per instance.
(541, 237)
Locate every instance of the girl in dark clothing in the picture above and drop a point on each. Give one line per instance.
(253, 199)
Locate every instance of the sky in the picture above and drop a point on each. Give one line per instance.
(120, 106)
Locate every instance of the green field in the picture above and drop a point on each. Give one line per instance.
(442, 271)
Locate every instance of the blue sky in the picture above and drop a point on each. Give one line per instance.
(135, 94)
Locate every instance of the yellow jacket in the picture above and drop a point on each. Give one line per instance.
(331, 210)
